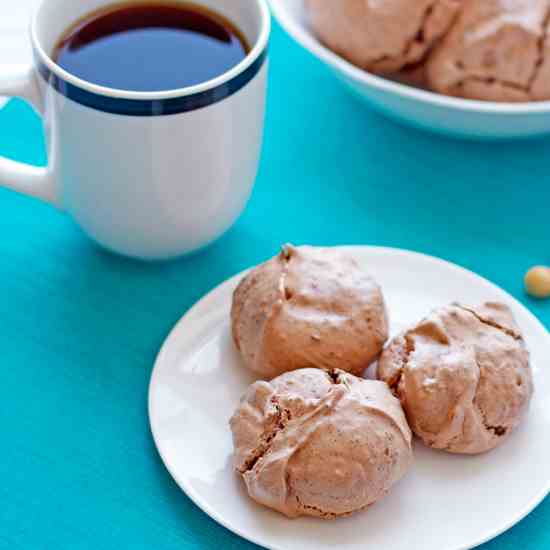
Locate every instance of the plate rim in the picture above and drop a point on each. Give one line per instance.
(206, 508)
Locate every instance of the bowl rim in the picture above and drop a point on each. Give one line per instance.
(297, 31)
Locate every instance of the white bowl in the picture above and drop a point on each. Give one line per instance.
(421, 108)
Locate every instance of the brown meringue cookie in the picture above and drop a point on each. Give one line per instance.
(497, 50)
(319, 443)
(381, 36)
(308, 307)
(462, 375)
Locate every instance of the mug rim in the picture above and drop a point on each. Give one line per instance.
(253, 55)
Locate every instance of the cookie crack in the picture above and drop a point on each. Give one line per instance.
(282, 418)
(498, 431)
(320, 511)
(541, 42)
(409, 349)
(286, 256)
(338, 378)
(286, 252)
(404, 52)
(323, 513)
(491, 80)
(490, 323)
(419, 36)
(333, 376)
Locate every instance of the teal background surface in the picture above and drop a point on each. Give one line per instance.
(80, 328)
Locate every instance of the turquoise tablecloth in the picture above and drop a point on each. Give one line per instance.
(80, 328)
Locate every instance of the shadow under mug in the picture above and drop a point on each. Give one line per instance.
(152, 175)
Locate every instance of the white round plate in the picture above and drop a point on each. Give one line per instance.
(446, 502)
(421, 108)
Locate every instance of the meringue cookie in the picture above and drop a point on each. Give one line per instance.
(308, 307)
(497, 50)
(320, 444)
(381, 36)
(462, 375)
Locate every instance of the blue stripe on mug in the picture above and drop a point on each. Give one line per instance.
(140, 107)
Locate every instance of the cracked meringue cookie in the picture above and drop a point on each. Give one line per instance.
(318, 443)
(308, 307)
(462, 375)
(497, 51)
(381, 36)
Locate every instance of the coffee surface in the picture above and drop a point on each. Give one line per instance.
(150, 46)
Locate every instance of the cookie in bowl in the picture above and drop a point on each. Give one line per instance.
(383, 36)
(496, 51)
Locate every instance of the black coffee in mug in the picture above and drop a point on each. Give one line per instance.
(151, 46)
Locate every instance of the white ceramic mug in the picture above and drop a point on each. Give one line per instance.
(149, 175)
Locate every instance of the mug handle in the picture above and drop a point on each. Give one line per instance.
(20, 81)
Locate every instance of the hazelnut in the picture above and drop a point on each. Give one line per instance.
(537, 282)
